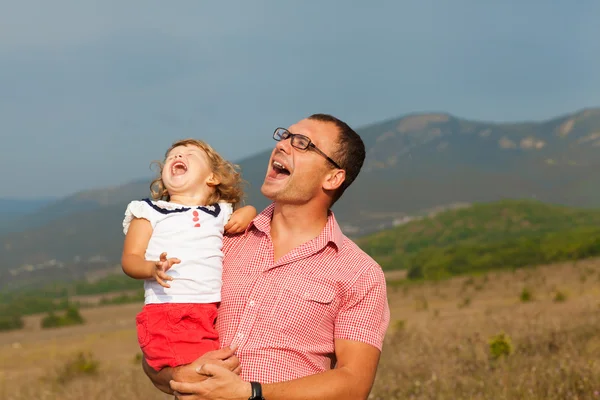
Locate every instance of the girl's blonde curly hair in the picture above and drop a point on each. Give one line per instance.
(230, 188)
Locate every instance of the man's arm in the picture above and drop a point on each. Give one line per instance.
(224, 358)
(351, 379)
(161, 378)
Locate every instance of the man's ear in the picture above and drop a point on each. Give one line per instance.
(213, 180)
(334, 179)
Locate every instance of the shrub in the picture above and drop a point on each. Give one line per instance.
(71, 317)
(51, 320)
(466, 302)
(10, 322)
(526, 295)
(80, 365)
(137, 359)
(500, 346)
(399, 324)
(560, 297)
(415, 272)
(136, 297)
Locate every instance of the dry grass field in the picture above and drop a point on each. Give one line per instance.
(437, 347)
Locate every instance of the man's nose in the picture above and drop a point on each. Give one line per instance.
(284, 145)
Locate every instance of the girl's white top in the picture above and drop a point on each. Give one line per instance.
(194, 235)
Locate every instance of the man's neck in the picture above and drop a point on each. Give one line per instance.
(292, 225)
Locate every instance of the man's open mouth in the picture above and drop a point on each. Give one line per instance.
(278, 171)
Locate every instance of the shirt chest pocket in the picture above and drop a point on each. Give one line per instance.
(305, 310)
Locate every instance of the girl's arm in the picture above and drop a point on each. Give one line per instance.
(134, 249)
(240, 219)
(133, 259)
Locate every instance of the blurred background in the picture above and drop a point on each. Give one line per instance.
(480, 194)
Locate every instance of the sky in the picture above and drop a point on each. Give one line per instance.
(92, 92)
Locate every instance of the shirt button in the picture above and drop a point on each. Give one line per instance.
(240, 335)
(251, 303)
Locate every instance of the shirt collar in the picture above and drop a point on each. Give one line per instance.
(330, 234)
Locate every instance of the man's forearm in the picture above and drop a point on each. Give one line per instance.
(339, 383)
(352, 379)
(224, 358)
(161, 378)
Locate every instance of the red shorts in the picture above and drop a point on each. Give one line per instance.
(176, 333)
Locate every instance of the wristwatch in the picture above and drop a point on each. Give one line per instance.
(256, 391)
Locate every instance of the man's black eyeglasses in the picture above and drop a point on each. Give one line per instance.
(300, 142)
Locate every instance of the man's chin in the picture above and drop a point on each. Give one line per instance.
(268, 192)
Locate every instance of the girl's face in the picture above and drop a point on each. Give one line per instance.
(187, 171)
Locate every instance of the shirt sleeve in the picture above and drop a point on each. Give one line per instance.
(139, 209)
(365, 315)
(227, 210)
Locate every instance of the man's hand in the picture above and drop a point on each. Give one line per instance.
(224, 358)
(187, 373)
(218, 384)
(161, 267)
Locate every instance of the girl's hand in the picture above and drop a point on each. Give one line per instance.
(240, 219)
(161, 267)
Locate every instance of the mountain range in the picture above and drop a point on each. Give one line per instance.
(11, 209)
(415, 164)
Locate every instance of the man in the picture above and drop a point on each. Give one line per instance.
(304, 308)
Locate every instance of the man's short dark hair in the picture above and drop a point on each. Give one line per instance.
(350, 153)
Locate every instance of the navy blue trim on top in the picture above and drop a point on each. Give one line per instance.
(214, 213)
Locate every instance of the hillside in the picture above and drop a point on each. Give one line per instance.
(414, 164)
(12, 209)
(504, 234)
(31, 214)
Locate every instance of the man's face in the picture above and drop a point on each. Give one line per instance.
(296, 176)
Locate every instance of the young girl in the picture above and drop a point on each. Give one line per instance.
(174, 243)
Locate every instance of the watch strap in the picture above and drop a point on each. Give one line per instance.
(256, 391)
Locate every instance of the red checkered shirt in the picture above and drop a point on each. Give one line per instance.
(285, 316)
